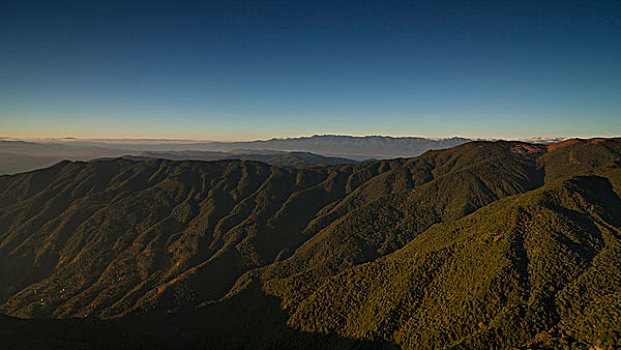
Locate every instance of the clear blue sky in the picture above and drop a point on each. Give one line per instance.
(224, 70)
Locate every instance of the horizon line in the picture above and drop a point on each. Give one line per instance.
(284, 138)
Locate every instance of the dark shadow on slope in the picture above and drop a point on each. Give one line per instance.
(250, 320)
(87, 334)
(254, 320)
(602, 202)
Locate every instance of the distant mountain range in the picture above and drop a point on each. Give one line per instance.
(493, 245)
(20, 156)
(358, 148)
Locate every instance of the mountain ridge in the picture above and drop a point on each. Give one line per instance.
(123, 238)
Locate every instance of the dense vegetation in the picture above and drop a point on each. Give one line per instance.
(484, 245)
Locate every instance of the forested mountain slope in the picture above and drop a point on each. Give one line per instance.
(548, 261)
(497, 243)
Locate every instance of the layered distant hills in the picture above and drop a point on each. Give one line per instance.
(20, 156)
(485, 245)
(357, 148)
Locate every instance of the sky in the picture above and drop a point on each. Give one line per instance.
(243, 70)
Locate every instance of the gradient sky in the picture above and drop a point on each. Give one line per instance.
(239, 70)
